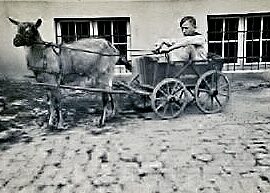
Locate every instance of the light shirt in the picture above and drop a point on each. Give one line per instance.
(194, 49)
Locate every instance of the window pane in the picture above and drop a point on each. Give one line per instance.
(82, 29)
(215, 48)
(123, 49)
(120, 31)
(68, 31)
(266, 28)
(265, 51)
(231, 28)
(215, 29)
(104, 30)
(230, 52)
(253, 51)
(253, 28)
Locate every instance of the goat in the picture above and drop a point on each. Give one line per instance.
(90, 60)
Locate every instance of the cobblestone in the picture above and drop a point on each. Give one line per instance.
(227, 152)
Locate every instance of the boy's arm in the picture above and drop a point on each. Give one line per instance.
(163, 42)
(197, 40)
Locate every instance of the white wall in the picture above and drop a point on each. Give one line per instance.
(150, 20)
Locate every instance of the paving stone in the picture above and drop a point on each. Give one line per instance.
(129, 157)
(46, 189)
(246, 185)
(265, 176)
(263, 186)
(249, 173)
(260, 156)
(78, 175)
(26, 189)
(150, 167)
(21, 180)
(61, 180)
(203, 157)
(195, 153)
(105, 180)
(263, 162)
(259, 151)
(67, 188)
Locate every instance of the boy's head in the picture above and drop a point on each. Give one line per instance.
(188, 25)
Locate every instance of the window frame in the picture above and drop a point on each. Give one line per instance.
(242, 62)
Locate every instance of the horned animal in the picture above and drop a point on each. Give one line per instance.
(91, 59)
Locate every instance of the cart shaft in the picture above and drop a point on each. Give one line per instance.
(83, 88)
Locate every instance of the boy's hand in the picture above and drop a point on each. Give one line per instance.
(164, 50)
(156, 51)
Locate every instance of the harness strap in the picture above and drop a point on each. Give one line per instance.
(50, 44)
(44, 67)
(59, 75)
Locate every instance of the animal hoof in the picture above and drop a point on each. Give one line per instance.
(51, 127)
(98, 122)
(101, 125)
(111, 113)
(60, 127)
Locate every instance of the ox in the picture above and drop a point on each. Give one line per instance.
(88, 60)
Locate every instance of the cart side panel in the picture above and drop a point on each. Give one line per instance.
(145, 67)
(152, 72)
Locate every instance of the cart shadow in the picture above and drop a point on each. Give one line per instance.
(147, 113)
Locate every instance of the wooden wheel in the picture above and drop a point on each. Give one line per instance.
(169, 98)
(212, 92)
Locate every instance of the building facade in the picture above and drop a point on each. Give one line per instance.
(238, 30)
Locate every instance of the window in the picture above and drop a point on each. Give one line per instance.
(115, 30)
(243, 41)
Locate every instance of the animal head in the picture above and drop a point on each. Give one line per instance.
(27, 33)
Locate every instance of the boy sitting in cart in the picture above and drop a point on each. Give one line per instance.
(190, 47)
(190, 74)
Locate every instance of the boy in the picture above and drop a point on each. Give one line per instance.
(191, 47)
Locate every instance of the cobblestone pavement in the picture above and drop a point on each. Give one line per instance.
(227, 152)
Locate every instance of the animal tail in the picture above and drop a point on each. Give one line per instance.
(123, 61)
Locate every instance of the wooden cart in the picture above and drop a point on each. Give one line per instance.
(171, 86)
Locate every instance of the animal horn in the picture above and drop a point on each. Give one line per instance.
(38, 23)
(14, 21)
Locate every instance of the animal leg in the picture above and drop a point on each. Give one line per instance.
(56, 118)
(61, 120)
(51, 109)
(59, 117)
(58, 109)
(105, 100)
(112, 105)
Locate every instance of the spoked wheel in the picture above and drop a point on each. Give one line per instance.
(212, 92)
(169, 98)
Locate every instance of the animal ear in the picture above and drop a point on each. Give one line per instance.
(38, 23)
(14, 21)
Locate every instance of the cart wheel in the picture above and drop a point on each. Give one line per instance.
(212, 92)
(169, 98)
